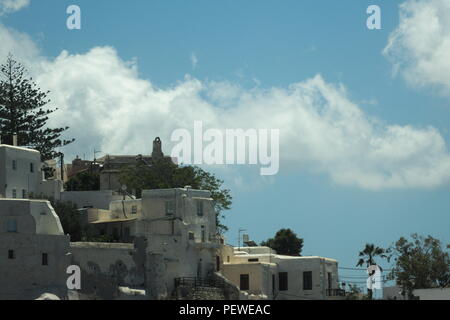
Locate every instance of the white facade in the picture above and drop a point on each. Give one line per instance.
(90, 199)
(21, 174)
(178, 224)
(263, 274)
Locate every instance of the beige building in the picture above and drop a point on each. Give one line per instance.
(263, 274)
(34, 250)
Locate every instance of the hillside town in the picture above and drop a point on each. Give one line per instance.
(166, 243)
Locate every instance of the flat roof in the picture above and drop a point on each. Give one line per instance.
(18, 148)
(23, 200)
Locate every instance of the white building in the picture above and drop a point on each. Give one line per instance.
(263, 274)
(432, 294)
(178, 224)
(34, 252)
(100, 199)
(21, 175)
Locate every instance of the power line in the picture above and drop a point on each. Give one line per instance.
(360, 269)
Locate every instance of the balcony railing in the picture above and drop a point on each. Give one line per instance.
(335, 293)
(200, 282)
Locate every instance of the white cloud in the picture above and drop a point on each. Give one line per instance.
(108, 107)
(420, 46)
(10, 6)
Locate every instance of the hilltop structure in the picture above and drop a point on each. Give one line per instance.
(162, 246)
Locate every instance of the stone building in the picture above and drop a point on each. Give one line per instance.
(177, 224)
(34, 252)
(111, 165)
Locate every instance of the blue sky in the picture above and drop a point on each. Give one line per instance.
(267, 44)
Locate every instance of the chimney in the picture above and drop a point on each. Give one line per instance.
(15, 140)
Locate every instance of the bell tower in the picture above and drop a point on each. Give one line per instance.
(157, 149)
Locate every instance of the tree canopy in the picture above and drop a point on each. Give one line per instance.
(368, 254)
(162, 174)
(23, 112)
(420, 263)
(285, 242)
(87, 180)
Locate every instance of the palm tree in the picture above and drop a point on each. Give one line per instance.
(367, 256)
(369, 253)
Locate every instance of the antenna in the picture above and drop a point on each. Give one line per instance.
(95, 154)
(239, 238)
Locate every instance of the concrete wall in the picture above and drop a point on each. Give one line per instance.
(106, 266)
(260, 277)
(23, 276)
(94, 199)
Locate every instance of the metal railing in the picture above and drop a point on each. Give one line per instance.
(335, 293)
(199, 282)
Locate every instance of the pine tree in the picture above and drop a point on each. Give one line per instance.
(23, 112)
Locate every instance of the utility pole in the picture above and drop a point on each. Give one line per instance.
(95, 154)
(61, 158)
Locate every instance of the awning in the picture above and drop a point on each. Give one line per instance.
(113, 220)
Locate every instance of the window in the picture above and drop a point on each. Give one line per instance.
(14, 165)
(11, 255)
(170, 207)
(45, 259)
(133, 209)
(12, 226)
(200, 208)
(203, 234)
(31, 167)
(283, 281)
(253, 260)
(14, 193)
(307, 280)
(273, 285)
(217, 263)
(191, 236)
(244, 283)
(24, 194)
(330, 281)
